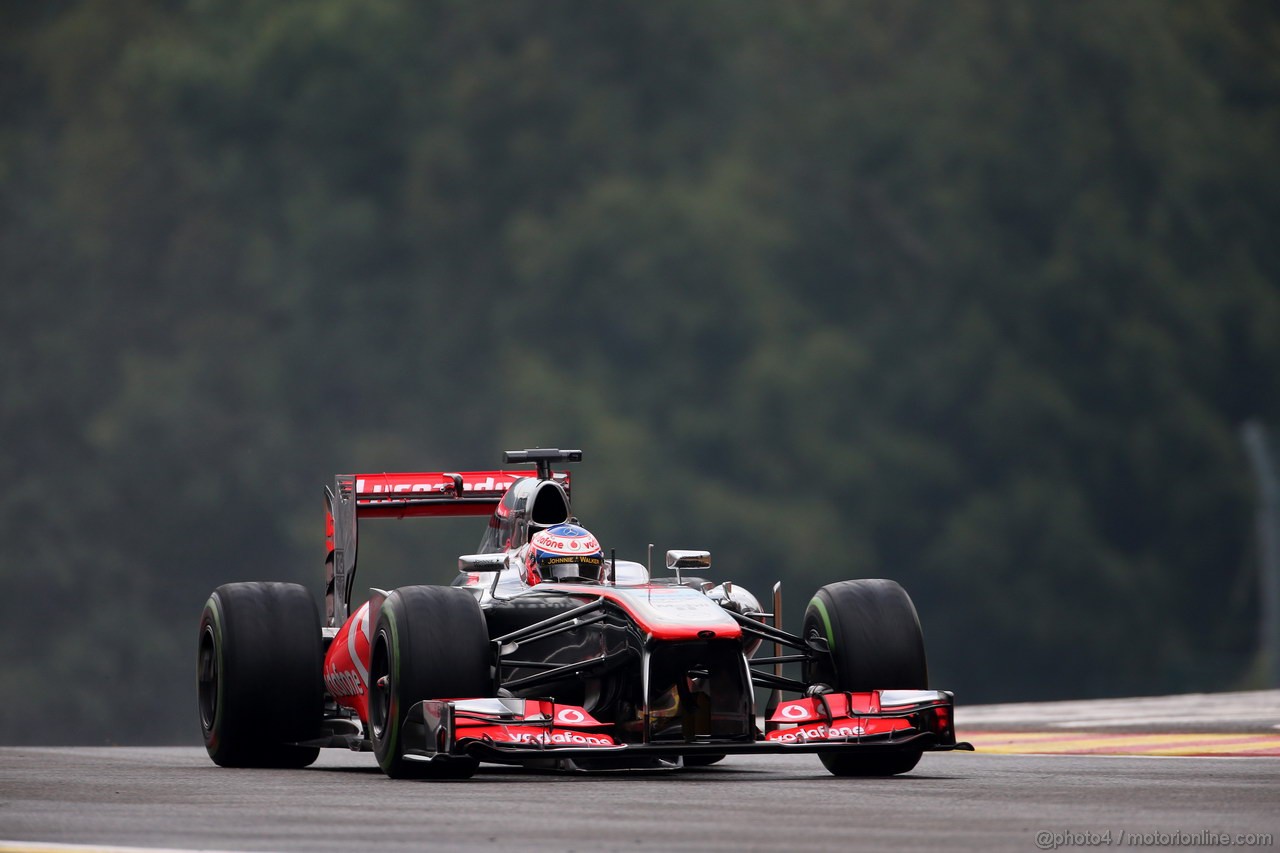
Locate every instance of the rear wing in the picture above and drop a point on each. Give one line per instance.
(413, 495)
(428, 494)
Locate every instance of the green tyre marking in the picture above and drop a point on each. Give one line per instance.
(826, 620)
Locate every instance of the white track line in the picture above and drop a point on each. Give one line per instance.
(41, 847)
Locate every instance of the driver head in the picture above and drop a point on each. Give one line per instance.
(565, 552)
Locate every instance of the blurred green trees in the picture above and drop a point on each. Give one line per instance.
(973, 297)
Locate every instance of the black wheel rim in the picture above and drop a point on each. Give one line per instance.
(207, 677)
(379, 687)
(821, 669)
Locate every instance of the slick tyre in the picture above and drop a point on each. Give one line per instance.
(874, 635)
(431, 643)
(258, 675)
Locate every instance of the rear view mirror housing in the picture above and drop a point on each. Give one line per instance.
(677, 560)
(468, 563)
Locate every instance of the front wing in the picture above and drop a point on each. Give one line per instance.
(532, 731)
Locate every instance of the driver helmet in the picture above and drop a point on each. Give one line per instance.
(565, 552)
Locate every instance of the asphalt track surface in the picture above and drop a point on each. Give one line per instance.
(52, 798)
(1248, 711)
(175, 798)
(1246, 723)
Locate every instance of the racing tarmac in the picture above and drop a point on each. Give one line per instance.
(1220, 724)
(174, 798)
(1245, 711)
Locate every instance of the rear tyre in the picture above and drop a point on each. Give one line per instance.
(876, 643)
(431, 643)
(258, 675)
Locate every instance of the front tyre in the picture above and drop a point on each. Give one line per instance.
(702, 760)
(431, 643)
(258, 675)
(874, 635)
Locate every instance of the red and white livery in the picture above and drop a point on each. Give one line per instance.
(542, 651)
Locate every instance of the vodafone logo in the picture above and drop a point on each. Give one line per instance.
(802, 735)
(571, 716)
(566, 539)
(795, 712)
(343, 683)
(561, 738)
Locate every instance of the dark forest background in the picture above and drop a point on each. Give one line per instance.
(974, 296)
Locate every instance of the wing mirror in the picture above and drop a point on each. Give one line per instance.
(677, 560)
(688, 560)
(482, 563)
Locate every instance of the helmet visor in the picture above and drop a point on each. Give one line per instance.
(578, 567)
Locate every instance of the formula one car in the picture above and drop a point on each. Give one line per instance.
(544, 652)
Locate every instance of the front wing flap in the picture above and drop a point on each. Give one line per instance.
(873, 717)
(517, 731)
